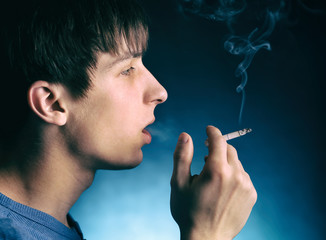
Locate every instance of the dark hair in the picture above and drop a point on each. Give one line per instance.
(58, 41)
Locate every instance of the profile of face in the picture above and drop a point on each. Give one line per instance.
(107, 127)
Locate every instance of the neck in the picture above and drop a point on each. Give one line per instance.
(48, 179)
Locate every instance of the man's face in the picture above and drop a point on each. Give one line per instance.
(107, 127)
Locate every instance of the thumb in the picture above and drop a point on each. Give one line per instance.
(182, 160)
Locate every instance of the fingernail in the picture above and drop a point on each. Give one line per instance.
(183, 138)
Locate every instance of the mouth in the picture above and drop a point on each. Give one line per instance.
(147, 135)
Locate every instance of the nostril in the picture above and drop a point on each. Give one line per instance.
(161, 99)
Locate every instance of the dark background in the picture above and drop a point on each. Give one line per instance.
(285, 107)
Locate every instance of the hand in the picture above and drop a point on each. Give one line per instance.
(216, 204)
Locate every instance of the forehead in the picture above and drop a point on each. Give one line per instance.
(125, 52)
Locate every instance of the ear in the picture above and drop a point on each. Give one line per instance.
(47, 101)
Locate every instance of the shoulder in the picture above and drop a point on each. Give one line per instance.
(9, 230)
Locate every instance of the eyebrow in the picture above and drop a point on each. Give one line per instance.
(122, 58)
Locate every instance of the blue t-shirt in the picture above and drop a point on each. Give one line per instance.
(20, 222)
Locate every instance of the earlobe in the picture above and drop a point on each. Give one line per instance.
(46, 100)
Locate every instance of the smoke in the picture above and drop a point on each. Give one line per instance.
(222, 10)
(164, 131)
(247, 45)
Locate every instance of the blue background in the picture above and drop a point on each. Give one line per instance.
(285, 106)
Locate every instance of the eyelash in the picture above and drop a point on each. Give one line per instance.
(127, 72)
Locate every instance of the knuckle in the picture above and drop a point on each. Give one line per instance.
(248, 186)
(180, 157)
(238, 178)
(232, 149)
(232, 152)
(251, 191)
(217, 173)
(242, 180)
(255, 195)
(223, 173)
(247, 177)
(177, 154)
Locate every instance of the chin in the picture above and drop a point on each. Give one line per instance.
(120, 164)
(134, 162)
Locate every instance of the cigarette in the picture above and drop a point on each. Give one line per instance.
(232, 135)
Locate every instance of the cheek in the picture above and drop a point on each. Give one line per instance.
(109, 145)
(108, 129)
(125, 111)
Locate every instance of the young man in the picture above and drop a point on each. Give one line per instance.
(77, 98)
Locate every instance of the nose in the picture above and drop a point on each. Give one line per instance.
(162, 96)
(156, 93)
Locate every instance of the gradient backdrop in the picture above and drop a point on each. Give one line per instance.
(285, 107)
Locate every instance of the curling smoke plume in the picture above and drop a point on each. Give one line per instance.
(248, 47)
(245, 46)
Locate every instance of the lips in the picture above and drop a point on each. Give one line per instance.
(148, 136)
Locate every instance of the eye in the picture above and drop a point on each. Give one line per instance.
(128, 71)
